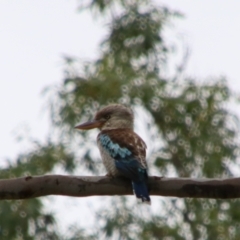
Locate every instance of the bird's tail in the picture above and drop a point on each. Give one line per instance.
(141, 191)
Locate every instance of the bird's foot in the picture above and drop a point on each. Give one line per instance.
(109, 175)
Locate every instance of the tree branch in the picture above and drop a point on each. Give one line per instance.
(83, 186)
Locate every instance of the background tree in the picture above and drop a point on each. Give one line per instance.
(192, 134)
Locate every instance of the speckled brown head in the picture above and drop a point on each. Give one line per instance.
(113, 116)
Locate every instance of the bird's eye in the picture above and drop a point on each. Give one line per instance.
(108, 117)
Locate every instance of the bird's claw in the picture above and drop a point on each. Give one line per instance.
(109, 175)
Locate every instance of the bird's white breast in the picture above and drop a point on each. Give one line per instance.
(108, 161)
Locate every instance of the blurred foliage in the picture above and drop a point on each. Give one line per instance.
(26, 219)
(41, 160)
(198, 132)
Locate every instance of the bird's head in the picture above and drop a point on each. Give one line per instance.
(111, 117)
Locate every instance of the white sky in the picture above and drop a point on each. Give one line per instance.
(34, 35)
(211, 29)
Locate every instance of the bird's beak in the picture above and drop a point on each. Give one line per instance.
(90, 125)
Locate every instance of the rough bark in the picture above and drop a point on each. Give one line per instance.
(83, 186)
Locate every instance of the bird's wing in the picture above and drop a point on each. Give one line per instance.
(127, 149)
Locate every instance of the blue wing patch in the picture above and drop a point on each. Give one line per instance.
(125, 162)
(114, 149)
